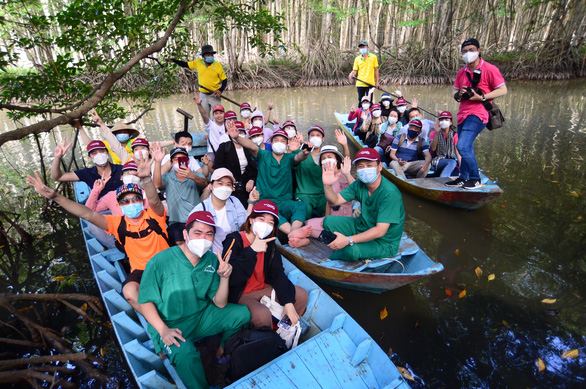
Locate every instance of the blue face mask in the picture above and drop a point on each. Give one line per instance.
(363, 51)
(367, 175)
(132, 210)
(209, 59)
(122, 137)
(412, 134)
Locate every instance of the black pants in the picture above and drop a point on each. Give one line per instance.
(363, 91)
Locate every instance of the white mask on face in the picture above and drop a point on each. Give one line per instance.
(222, 192)
(365, 106)
(130, 179)
(376, 113)
(245, 113)
(188, 148)
(402, 108)
(290, 132)
(242, 135)
(316, 140)
(470, 56)
(386, 103)
(101, 159)
(279, 148)
(199, 247)
(444, 124)
(175, 167)
(392, 120)
(257, 140)
(262, 229)
(257, 123)
(329, 161)
(142, 154)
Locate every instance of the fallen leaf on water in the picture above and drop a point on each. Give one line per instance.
(457, 252)
(462, 294)
(548, 301)
(84, 307)
(25, 309)
(571, 354)
(337, 295)
(555, 182)
(448, 292)
(551, 125)
(491, 277)
(59, 278)
(405, 373)
(478, 272)
(503, 206)
(540, 365)
(506, 324)
(575, 194)
(102, 352)
(384, 313)
(109, 324)
(416, 324)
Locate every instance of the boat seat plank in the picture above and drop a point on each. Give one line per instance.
(104, 264)
(107, 282)
(94, 246)
(361, 352)
(130, 327)
(294, 368)
(117, 303)
(153, 380)
(317, 363)
(143, 354)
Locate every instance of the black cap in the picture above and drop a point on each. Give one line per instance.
(470, 41)
(178, 150)
(207, 49)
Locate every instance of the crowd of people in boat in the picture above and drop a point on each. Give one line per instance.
(200, 234)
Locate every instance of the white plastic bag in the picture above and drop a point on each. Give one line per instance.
(290, 336)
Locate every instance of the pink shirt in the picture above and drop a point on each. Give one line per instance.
(108, 202)
(490, 80)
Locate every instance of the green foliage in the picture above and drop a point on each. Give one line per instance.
(335, 8)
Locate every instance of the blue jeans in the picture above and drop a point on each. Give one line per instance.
(467, 133)
(446, 166)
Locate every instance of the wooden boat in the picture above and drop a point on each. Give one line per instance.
(378, 275)
(335, 352)
(433, 188)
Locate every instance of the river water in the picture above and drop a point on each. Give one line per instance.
(532, 239)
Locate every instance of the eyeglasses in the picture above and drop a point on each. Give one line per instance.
(126, 201)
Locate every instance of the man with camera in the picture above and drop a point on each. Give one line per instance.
(476, 85)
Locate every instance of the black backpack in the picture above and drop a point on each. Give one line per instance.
(153, 226)
(250, 349)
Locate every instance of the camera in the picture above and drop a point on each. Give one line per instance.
(238, 187)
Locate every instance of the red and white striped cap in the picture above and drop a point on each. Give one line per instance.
(245, 106)
(316, 128)
(140, 142)
(368, 154)
(266, 206)
(255, 131)
(400, 102)
(95, 145)
(230, 115)
(445, 115)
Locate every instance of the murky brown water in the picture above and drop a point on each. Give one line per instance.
(532, 238)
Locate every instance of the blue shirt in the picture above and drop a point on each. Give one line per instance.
(408, 152)
(89, 175)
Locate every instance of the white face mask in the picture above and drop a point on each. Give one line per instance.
(245, 113)
(470, 56)
(386, 103)
(257, 140)
(392, 120)
(376, 113)
(262, 229)
(142, 154)
(402, 108)
(316, 140)
(242, 135)
(290, 132)
(199, 247)
(257, 123)
(329, 161)
(222, 192)
(175, 167)
(279, 148)
(444, 124)
(187, 148)
(365, 106)
(101, 159)
(130, 179)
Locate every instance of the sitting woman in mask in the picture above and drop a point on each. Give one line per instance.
(257, 268)
(386, 103)
(443, 140)
(389, 131)
(371, 127)
(359, 114)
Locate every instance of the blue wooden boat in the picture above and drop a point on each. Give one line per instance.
(335, 352)
(432, 188)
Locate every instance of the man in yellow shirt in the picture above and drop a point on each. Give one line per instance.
(210, 76)
(366, 69)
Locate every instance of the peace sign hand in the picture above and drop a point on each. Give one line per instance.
(224, 268)
(95, 117)
(61, 150)
(260, 245)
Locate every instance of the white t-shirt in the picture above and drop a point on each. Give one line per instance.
(193, 164)
(214, 133)
(222, 221)
(242, 159)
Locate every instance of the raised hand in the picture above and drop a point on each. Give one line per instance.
(40, 187)
(95, 117)
(275, 119)
(260, 245)
(340, 137)
(144, 166)
(353, 108)
(309, 148)
(250, 185)
(206, 159)
(224, 268)
(231, 129)
(414, 102)
(329, 176)
(346, 165)
(61, 150)
(197, 99)
(158, 152)
(254, 195)
(294, 144)
(99, 184)
(170, 336)
(271, 106)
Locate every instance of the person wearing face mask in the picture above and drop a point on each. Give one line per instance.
(290, 128)
(258, 268)
(210, 74)
(472, 115)
(386, 103)
(443, 146)
(410, 152)
(245, 115)
(139, 233)
(310, 190)
(389, 131)
(365, 68)
(215, 127)
(370, 129)
(181, 189)
(275, 177)
(359, 114)
(184, 297)
(415, 113)
(376, 232)
(184, 140)
(258, 120)
(238, 160)
(402, 109)
(257, 137)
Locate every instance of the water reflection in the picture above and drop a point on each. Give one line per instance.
(532, 238)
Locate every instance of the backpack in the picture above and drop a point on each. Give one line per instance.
(250, 349)
(153, 226)
(495, 116)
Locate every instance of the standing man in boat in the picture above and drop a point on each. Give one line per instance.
(476, 83)
(365, 68)
(210, 76)
(377, 232)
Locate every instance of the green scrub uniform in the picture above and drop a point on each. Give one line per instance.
(183, 296)
(385, 205)
(310, 187)
(275, 182)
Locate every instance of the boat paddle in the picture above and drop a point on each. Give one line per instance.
(224, 97)
(392, 94)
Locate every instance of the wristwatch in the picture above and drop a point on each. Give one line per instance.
(350, 241)
(483, 98)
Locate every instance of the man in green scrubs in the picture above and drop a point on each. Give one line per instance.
(275, 176)
(376, 233)
(310, 189)
(184, 297)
